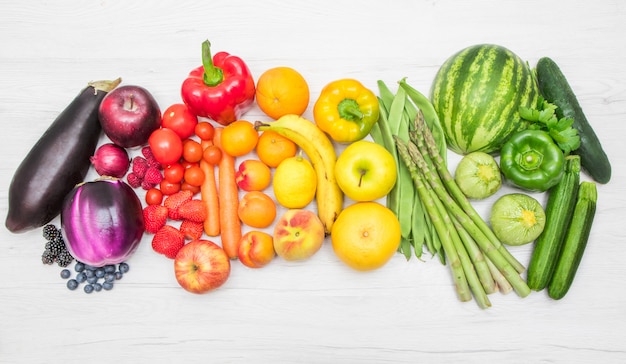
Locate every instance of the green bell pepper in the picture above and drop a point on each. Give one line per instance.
(531, 160)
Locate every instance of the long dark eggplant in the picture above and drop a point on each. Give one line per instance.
(57, 162)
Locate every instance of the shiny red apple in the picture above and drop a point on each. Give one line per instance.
(201, 266)
(128, 115)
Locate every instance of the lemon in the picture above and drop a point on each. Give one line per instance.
(295, 182)
(365, 235)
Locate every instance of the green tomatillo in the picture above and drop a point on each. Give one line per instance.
(531, 160)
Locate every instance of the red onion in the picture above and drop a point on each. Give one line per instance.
(102, 222)
(111, 160)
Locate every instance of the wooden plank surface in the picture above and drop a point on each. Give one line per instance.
(318, 311)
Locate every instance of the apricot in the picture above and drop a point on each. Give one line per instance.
(257, 209)
(256, 249)
(253, 175)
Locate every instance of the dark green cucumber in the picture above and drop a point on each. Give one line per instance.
(559, 209)
(555, 89)
(575, 241)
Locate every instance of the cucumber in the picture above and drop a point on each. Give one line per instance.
(575, 241)
(559, 209)
(555, 89)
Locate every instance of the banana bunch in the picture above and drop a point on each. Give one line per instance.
(321, 152)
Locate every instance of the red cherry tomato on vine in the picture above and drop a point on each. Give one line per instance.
(178, 118)
(166, 145)
(205, 130)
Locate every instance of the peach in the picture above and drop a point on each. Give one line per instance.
(256, 249)
(253, 175)
(298, 235)
(257, 209)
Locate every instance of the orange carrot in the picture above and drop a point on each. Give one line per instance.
(208, 194)
(228, 194)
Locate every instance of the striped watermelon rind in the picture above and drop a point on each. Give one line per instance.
(477, 93)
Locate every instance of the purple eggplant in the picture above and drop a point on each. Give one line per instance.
(57, 162)
(102, 222)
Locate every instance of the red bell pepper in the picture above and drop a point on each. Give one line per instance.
(222, 89)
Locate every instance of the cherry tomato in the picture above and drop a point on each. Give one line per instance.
(192, 151)
(205, 130)
(187, 187)
(182, 121)
(169, 188)
(194, 175)
(166, 146)
(154, 196)
(174, 173)
(212, 154)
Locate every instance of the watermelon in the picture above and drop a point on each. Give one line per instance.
(477, 94)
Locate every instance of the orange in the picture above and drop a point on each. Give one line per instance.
(239, 138)
(257, 209)
(365, 235)
(281, 91)
(272, 148)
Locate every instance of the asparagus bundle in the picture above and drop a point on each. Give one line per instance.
(480, 264)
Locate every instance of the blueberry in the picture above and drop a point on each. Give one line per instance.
(90, 273)
(88, 288)
(123, 267)
(109, 277)
(65, 273)
(92, 280)
(107, 286)
(72, 284)
(109, 268)
(90, 267)
(97, 287)
(81, 277)
(118, 275)
(79, 267)
(100, 272)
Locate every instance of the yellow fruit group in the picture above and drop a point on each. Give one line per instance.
(366, 235)
(295, 182)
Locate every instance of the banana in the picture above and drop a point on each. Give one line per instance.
(321, 152)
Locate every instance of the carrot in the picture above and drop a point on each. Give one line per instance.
(228, 195)
(208, 194)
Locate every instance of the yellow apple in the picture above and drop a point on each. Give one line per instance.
(365, 171)
(298, 235)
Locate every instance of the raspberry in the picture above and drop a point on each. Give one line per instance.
(140, 166)
(150, 159)
(146, 185)
(153, 176)
(133, 180)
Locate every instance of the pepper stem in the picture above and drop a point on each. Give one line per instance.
(530, 160)
(213, 76)
(349, 110)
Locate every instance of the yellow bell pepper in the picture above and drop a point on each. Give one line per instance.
(346, 110)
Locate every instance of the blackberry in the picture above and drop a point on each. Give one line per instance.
(47, 257)
(50, 232)
(64, 258)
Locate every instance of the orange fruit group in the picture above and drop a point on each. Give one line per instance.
(281, 91)
(239, 138)
(366, 235)
(257, 209)
(272, 148)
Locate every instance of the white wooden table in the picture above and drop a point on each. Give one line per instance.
(318, 311)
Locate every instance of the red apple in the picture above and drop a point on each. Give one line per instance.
(201, 266)
(128, 115)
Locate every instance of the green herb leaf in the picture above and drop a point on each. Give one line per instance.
(543, 117)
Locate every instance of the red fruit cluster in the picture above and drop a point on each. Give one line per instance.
(180, 206)
(145, 171)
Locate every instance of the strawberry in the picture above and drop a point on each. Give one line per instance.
(168, 241)
(194, 210)
(191, 229)
(174, 201)
(154, 217)
(153, 176)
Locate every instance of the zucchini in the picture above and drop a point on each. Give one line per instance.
(559, 209)
(575, 241)
(57, 162)
(555, 89)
